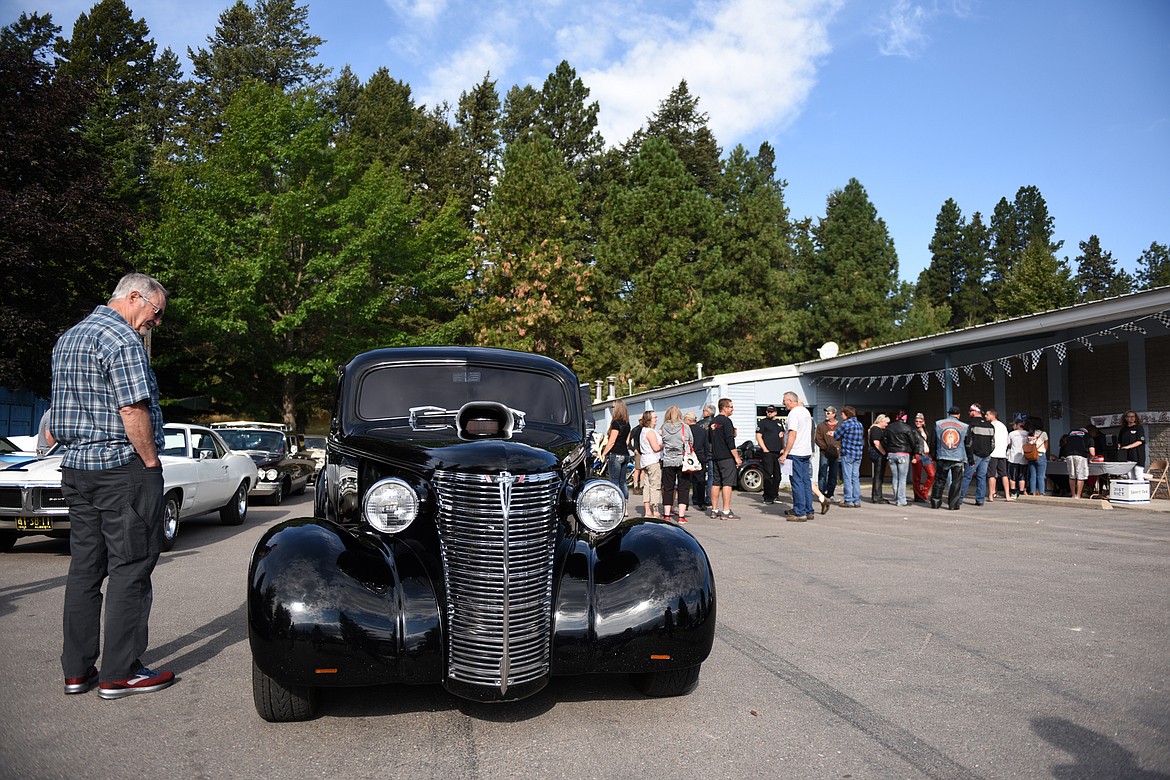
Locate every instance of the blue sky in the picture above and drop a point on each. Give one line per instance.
(920, 101)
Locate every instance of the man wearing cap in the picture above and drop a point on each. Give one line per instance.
(830, 449)
(769, 433)
(980, 443)
(900, 443)
(950, 441)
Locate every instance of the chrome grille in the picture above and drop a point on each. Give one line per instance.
(497, 534)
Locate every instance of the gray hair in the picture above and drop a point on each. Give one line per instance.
(139, 283)
(709, 408)
(791, 396)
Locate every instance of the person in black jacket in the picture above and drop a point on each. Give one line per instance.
(980, 443)
(901, 443)
(703, 452)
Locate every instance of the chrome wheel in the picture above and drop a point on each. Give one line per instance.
(170, 521)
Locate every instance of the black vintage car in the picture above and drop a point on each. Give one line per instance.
(460, 539)
(282, 466)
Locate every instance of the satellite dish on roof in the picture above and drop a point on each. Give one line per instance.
(828, 350)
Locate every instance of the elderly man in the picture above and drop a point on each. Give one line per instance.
(798, 448)
(105, 412)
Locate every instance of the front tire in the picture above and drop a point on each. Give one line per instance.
(279, 703)
(234, 511)
(751, 479)
(170, 521)
(675, 682)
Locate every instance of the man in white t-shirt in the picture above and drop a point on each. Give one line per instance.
(997, 470)
(798, 446)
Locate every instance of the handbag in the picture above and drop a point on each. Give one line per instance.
(1031, 451)
(690, 461)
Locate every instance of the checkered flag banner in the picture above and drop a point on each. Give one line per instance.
(1061, 351)
(925, 381)
(1088, 344)
(909, 379)
(1036, 353)
(954, 372)
(1164, 318)
(969, 370)
(1006, 364)
(1132, 328)
(987, 369)
(938, 377)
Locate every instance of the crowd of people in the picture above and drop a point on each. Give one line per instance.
(937, 461)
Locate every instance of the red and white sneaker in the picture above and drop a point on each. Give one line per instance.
(75, 685)
(143, 681)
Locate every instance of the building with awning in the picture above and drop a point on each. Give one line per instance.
(1070, 367)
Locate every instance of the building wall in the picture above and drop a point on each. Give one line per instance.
(1026, 392)
(1158, 394)
(1098, 382)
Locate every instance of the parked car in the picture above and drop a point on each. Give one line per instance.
(459, 538)
(200, 475)
(14, 449)
(281, 465)
(315, 448)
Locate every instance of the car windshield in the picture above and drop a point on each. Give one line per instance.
(7, 447)
(315, 442)
(392, 391)
(253, 439)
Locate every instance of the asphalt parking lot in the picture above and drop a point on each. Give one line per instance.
(1019, 640)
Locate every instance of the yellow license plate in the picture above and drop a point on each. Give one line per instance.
(34, 524)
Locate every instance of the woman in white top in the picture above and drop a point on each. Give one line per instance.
(1038, 468)
(651, 449)
(1017, 463)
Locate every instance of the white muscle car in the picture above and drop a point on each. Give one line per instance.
(200, 475)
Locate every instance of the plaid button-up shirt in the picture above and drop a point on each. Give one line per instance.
(851, 434)
(99, 366)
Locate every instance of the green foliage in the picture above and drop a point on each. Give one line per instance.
(656, 261)
(679, 122)
(1037, 282)
(62, 237)
(1154, 267)
(284, 257)
(1097, 275)
(528, 287)
(958, 266)
(856, 270)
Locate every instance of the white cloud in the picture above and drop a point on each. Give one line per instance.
(751, 63)
(425, 11)
(902, 29)
(464, 69)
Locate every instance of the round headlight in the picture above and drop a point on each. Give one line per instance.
(270, 475)
(390, 505)
(601, 505)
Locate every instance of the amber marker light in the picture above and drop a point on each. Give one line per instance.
(660, 658)
(326, 671)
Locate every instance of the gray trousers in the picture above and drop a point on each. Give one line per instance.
(115, 521)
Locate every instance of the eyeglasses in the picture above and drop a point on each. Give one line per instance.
(157, 310)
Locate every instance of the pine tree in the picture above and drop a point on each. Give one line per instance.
(521, 106)
(1037, 282)
(1154, 266)
(941, 281)
(855, 257)
(655, 262)
(568, 119)
(972, 303)
(528, 286)
(477, 123)
(679, 122)
(754, 281)
(1097, 274)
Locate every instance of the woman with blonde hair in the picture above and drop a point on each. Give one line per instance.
(676, 440)
(615, 453)
(651, 449)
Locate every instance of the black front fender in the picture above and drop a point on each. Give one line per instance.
(330, 607)
(639, 600)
